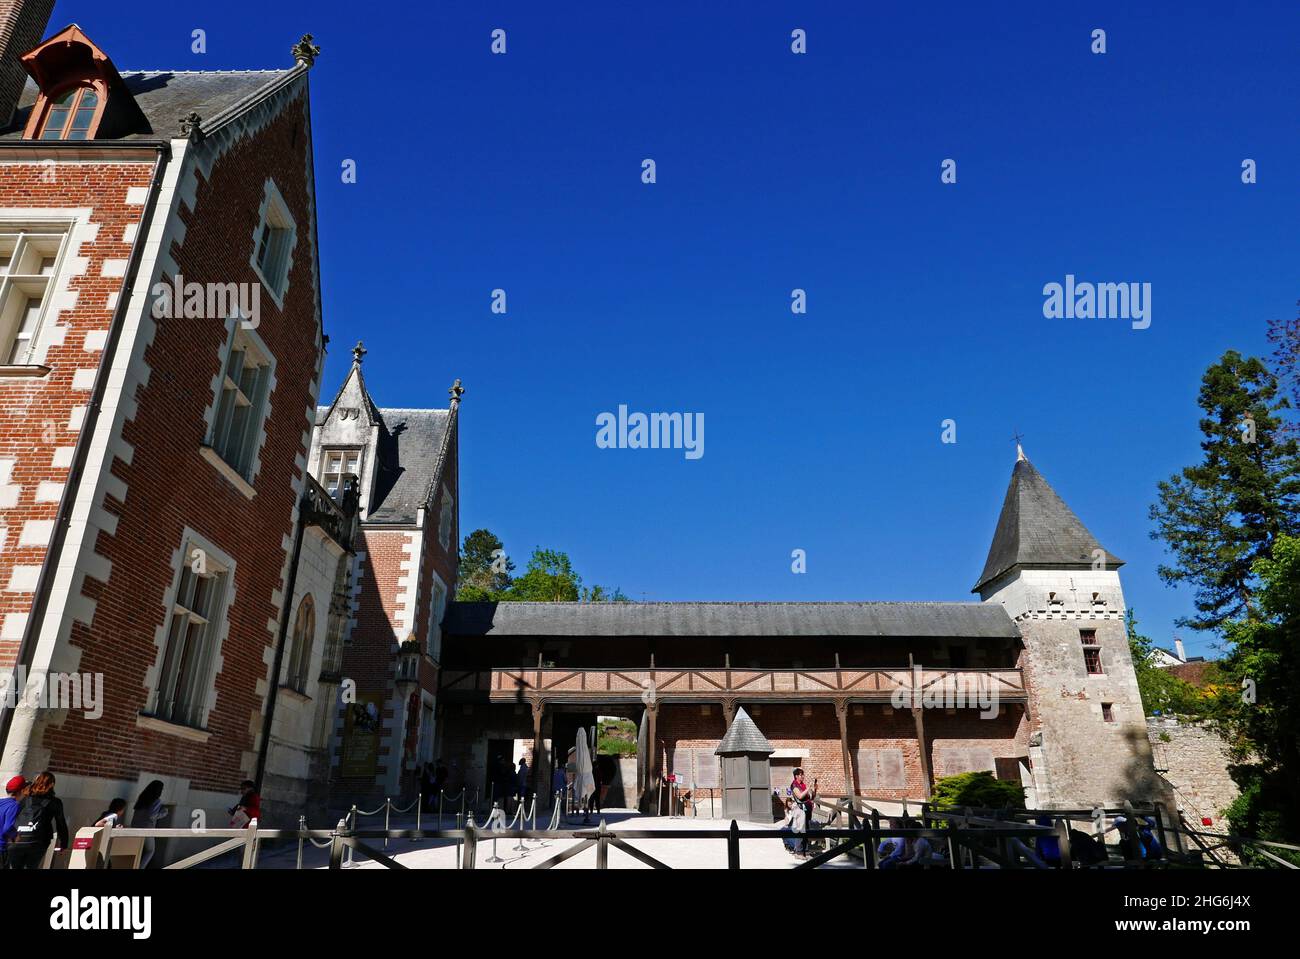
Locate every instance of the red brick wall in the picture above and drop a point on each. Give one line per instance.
(171, 486)
(34, 412)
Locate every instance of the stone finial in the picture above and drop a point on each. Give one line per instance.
(455, 392)
(192, 126)
(1020, 450)
(306, 52)
(359, 353)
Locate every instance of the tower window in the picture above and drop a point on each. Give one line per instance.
(1108, 712)
(1091, 651)
(71, 115)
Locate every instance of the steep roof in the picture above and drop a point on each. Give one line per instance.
(165, 96)
(1037, 530)
(938, 620)
(743, 737)
(410, 458)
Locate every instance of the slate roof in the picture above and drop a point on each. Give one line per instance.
(410, 450)
(939, 620)
(164, 96)
(1036, 529)
(743, 737)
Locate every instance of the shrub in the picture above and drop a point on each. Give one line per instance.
(978, 789)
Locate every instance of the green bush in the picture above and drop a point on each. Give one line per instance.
(978, 789)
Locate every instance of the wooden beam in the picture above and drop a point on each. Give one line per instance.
(842, 711)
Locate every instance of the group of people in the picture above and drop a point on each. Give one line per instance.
(433, 780)
(799, 800)
(32, 817)
(509, 784)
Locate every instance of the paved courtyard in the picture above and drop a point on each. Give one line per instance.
(677, 853)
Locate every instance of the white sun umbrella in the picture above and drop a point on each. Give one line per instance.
(584, 783)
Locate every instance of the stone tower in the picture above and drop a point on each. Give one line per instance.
(1088, 740)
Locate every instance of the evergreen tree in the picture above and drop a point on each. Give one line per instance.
(1221, 516)
(484, 568)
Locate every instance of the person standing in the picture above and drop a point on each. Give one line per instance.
(113, 816)
(146, 814)
(248, 807)
(9, 809)
(805, 796)
(40, 822)
(559, 783)
(521, 781)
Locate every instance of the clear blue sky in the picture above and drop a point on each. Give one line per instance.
(778, 171)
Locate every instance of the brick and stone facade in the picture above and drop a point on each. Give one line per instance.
(117, 489)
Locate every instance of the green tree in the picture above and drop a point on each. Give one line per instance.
(549, 577)
(1160, 689)
(485, 568)
(1260, 711)
(1221, 516)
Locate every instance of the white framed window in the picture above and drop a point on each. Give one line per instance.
(29, 264)
(241, 409)
(437, 609)
(336, 464)
(446, 518)
(304, 634)
(193, 626)
(274, 239)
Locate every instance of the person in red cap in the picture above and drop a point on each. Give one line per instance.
(9, 807)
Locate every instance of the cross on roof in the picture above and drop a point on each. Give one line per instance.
(359, 353)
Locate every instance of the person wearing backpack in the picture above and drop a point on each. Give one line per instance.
(40, 822)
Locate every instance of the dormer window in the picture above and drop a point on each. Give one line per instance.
(72, 114)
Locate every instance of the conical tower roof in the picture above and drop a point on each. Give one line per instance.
(743, 737)
(1037, 530)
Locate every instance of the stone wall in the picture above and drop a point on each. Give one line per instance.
(1193, 759)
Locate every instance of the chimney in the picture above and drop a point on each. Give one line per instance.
(22, 27)
(1178, 648)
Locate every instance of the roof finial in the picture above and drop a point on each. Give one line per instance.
(1020, 450)
(358, 353)
(455, 392)
(306, 52)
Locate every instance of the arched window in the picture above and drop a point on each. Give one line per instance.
(304, 632)
(71, 115)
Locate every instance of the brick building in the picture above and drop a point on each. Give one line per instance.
(1034, 683)
(403, 575)
(160, 323)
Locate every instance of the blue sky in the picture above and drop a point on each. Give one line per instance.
(775, 172)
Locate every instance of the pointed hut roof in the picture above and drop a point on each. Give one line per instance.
(743, 737)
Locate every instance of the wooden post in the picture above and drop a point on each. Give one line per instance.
(733, 846)
(729, 711)
(336, 845)
(602, 846)
(926, 778)
(1063, 842)
(651, 800)
(842, 712)
(539, 710)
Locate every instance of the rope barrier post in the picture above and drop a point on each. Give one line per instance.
(350, 820)
(471, 843)
(441, 794)
(388, 805)
(302, 827)
(733, 846)
(493, 821)
(419, 808)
